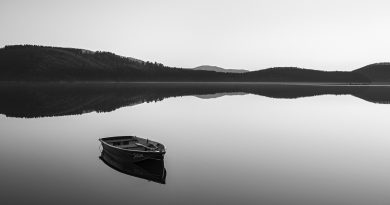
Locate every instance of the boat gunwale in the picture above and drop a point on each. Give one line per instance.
(129, 150)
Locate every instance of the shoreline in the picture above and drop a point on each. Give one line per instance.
(194, 82)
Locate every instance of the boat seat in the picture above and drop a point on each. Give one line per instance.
(121, 140)
(127, 146)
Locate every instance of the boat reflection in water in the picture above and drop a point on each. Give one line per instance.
(135, 156)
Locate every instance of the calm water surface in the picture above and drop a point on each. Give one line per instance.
(234, 149)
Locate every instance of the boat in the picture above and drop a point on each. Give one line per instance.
(149, 169)
(132, 148)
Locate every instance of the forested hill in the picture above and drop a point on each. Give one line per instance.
(42, 63)
(39, 63)
(378, 72)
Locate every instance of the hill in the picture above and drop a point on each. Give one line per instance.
(378, 72)
(219, 69)
(293, 74)
(42, 63)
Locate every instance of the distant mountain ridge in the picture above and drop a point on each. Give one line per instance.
(43, 63)
(219, 69)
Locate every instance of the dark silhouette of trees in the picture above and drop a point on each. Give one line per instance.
(41, 63)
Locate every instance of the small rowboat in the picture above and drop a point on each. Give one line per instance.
(133, 148)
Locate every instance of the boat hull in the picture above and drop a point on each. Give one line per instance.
(131, 155)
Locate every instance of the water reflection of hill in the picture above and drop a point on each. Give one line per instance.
(40, 100)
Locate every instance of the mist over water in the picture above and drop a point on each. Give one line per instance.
(236, 147)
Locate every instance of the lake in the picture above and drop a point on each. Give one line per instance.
(226, 143)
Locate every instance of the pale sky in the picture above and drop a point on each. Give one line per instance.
(242, 34)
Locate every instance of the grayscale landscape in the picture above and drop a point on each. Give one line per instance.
(194, 102)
